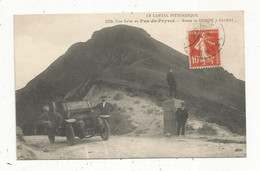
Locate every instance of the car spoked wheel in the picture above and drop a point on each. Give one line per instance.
(105, 131)
(70, 135)
(51, 138)
(51, 134)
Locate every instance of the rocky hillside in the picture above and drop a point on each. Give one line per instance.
(129, 58)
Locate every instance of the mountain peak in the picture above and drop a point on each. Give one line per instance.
(120, 30)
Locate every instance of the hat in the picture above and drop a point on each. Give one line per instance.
(171, 67)
(46, 108)
(104, 96)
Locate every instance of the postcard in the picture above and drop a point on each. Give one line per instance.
(130, 85)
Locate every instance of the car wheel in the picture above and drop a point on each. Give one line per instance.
(51, 134)
(105, 131)
(70, 135)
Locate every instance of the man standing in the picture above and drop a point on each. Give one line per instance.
(181, 118)
(104, 108)
(172, 83)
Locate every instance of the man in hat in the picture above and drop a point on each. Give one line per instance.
(181, 118)
(104, 108)
(172, 83)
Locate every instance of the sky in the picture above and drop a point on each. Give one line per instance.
(41, 39)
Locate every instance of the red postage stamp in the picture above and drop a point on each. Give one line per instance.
(204, 48)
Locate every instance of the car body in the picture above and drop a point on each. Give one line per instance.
(75, 119)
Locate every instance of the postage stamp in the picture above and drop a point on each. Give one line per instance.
(204, 48)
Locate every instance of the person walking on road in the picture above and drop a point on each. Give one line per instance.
(181, 118)
(172, 83)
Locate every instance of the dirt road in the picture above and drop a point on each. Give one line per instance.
(128, 147)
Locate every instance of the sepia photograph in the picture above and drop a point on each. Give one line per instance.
(130, 85)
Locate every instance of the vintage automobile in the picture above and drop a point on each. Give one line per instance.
(75, 119)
